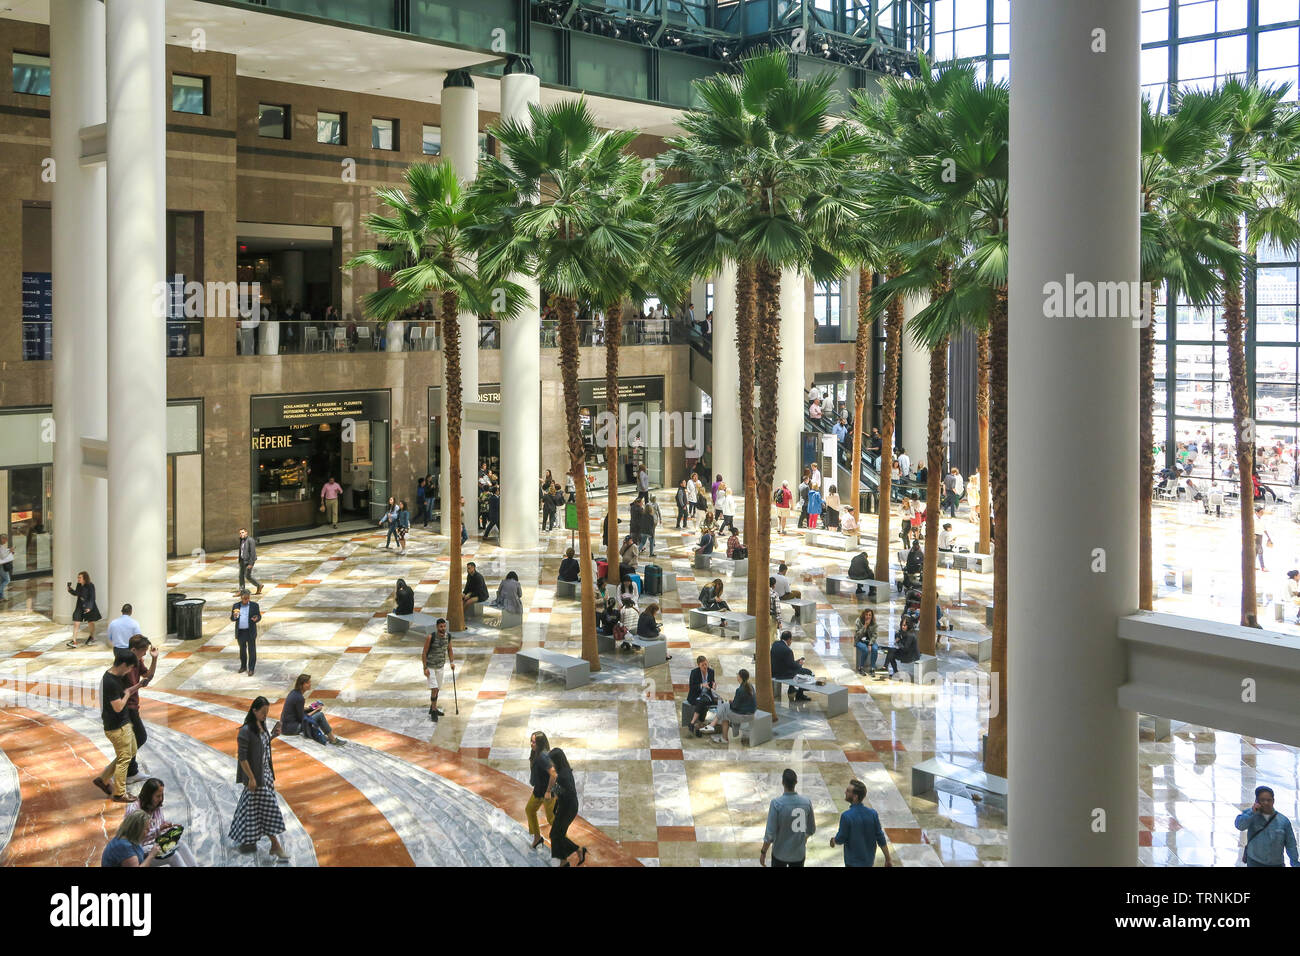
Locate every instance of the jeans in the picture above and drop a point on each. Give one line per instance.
(4, 580)
(246, 571)
(247, 649)
(866, 655)
(647, 539)
(141, 738)
(682, 517)
(392, 530)
(534, 804)
(318, 721)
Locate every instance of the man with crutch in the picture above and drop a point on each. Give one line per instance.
(437, 653)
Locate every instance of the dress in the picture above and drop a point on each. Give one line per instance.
(257, 814)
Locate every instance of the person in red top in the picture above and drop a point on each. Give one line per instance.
(783, 497)
(329, 501)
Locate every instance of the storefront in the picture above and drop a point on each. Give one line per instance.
(299, 442)
(641, 436)
(489, 443)
(27, 483)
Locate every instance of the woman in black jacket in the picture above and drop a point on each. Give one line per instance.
(565, 792)
(404, 598)
(257, 814)
(646, 626)
(85, 611)
(610, 615)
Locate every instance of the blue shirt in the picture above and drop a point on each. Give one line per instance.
(1274, 837)
(244, 609)
(789, 825)
(119, 849)
(860, 833)
(840, 432)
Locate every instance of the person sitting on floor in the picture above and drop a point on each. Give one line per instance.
(711, 597)
(509, 595)
(404, 598)
(743, 704)
(570, 570)
(785, 666)
(296, 717)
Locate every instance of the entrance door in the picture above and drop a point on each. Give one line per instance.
(379, 480)
(29, 518)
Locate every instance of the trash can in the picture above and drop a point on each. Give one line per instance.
(189, 619)
(172, 598)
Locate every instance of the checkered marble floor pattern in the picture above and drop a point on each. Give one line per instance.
(665, 796)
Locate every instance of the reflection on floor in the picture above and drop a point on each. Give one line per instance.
(648, 790)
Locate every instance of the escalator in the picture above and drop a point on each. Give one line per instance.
(869, 475)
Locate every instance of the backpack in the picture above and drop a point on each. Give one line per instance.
(778, 499)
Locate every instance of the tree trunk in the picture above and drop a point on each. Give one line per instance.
(745, 355)
(455, 412)
(767, 360)
(982, 413)
(613, 338)
(861, 358)
(888, 402)
(995, 751)
(1146, 454)
(933, 489)
(568, 310)
(1244, 426)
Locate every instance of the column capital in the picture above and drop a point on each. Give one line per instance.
(457, 78)
(517, 63)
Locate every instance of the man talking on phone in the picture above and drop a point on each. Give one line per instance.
(1268, 833)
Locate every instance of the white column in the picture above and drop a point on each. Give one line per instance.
(460, 148)
(726, 381)
(137, 354)
(792, 389)
(521, 354)
(913, 430)
(80, 267)
(1072, 751)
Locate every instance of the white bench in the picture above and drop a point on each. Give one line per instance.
(508, 619)
(702, 562)
(837, 696)
(920, 669)
(568, 589)
(745, 625)
(983, 642)
(653, 653)
(401, 623)
(575, 670)
(924, 774)
(757, 726)
(735, 568)
(820, 538)
(967, 561)
(805, 611)
(837, 583)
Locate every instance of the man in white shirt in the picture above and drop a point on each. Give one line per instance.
(814, 394)
(815, 479)
(782, 582)
(122, 629)
(904, 463)
(947, 540)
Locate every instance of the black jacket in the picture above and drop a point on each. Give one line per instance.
(915, 562)
(681, 498)
(908, 651)
(860, 567)
(254, 612)
(783, 663)
(475, 585)
(570, 569)
(646, 627)
(405, 601)
(697, 685)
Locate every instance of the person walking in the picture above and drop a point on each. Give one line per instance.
(257, 814)
(246, 614)
(860, 831)
(1269, 834)
(247, 558)
(403, 526)
(951, 496)
(643, 484)
(6, 564)
(421, 501)
(814, 506)
(390, 519)
(782, 500)
(803, 501)
(436, 655)
(122, 629)
(115, 691)
(541, 776)
(140, 676)
(85, 611)
(692, 495)
(727, 502)
(565, 793)
(790, 823)
(492, 516)
(682, 504)
(329, 501)
(654, 518)
(1261, 536)
(549, 494)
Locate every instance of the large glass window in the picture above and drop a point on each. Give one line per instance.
(431, 140)
(383, 133)
(189, 94)
(32, 73)
(826, 311)
(272, 121)
(331, 128)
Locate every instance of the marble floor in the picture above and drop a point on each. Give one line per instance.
(649, 791)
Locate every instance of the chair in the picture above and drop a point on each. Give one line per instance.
(431, 338)
(311, 339)
(340, 339)
(414, 339)
(363, 338)
(246, 342)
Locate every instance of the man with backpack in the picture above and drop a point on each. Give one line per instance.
(782, 498)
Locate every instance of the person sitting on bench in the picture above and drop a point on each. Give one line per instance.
(706, 542)
(711, 597)
(743, 704)
(627, 558)
(609, 616)
(404, 598)
(627, 588)
(785, 666)
(475, 587)
(734, 545)
(630, 618)
(570, 570)
(510, 595)
(860, 567)
(905, 649)
(701, 695)
(947, 540)
(646, 626)
(848, 523)
(783, 589)
(864, 642)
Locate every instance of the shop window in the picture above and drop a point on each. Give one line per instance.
(273, 121)
(32, 73)
(383, 134)
(331, 128)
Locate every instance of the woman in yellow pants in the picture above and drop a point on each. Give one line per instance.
(542, 778)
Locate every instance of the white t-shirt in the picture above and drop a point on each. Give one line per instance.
(904, 465)
(815, 480)
(814, 393)
(782, 586)
(945, 540)
(121, 630)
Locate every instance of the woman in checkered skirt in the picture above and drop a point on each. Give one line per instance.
(257, 815)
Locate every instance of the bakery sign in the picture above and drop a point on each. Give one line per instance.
(270, 411)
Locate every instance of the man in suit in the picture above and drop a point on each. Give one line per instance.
(701, 694)
(246, 614)
(247, 558)
(784, 665)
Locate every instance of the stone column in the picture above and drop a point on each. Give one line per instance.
(460, 148)
(913, 430)
(80, 273)
(137, 348)
(521, 354)
(726, 382)
(792, 391)
(1072, 752)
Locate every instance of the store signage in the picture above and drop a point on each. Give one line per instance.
(649, 389)
(261, 442)
(270, 411)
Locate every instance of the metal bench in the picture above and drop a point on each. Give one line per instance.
(575, 670)
(421, 623)
(837, 696)
(983, 642)
(653, 653)
(805, 611)
(925, 773)
(757, 727)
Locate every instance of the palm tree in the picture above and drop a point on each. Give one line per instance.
(861, 353)
(1261, 144)
(425, 249)
(557, 201)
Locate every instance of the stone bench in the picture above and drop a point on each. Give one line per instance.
(745, 625)
(575, 670)
(757, 727)
(420, 622)
(821, 538)
(837, 696)
(702, 562)
(966, 561)
(838, 583)
(735, 568)
(919, 669)
(508, 619)
(653, 653)
(983, 642)
(805, 611)
(925, 773)
(568, 589)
